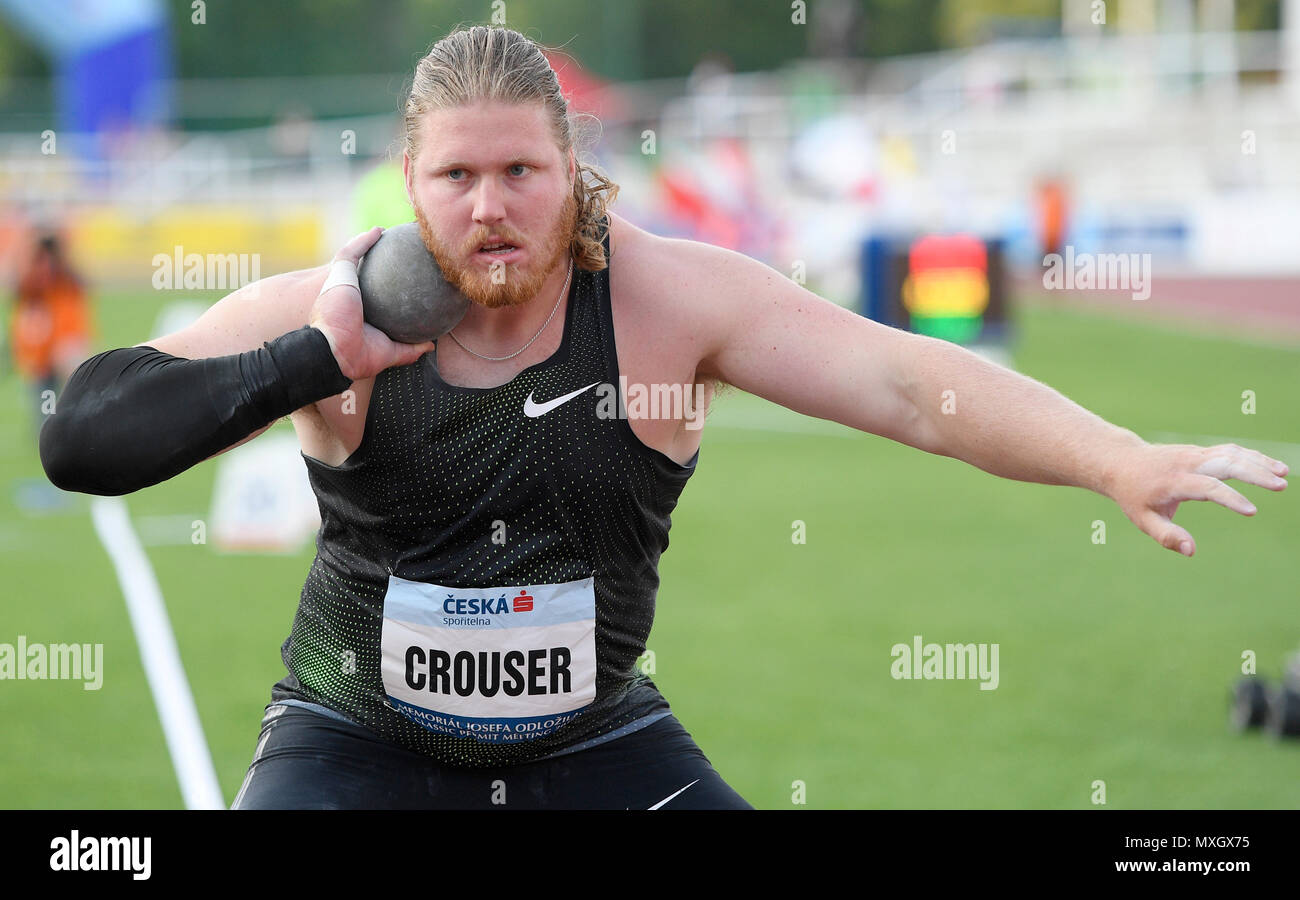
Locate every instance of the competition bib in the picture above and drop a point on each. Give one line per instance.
(494, 664)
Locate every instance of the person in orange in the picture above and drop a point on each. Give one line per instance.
(50, 326)
(1052, 207)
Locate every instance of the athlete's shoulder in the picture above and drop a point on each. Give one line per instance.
(701, 287)
(643, 274)
(648, 254)
(627, 242)
(631, 243)
(662, 268)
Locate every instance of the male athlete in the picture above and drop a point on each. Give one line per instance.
(487, 560)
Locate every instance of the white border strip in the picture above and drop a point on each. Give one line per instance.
(1274, 448)
(162, 662)
(782, 422)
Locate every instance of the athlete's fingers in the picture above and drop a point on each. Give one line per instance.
(1166, 533)
(405, 354)
(1275, 466)
(356, 248)
(1207, 487)
(1250, 466)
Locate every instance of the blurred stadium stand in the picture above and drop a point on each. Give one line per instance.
(1182, 144)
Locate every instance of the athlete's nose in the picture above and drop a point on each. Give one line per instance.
(489, 202)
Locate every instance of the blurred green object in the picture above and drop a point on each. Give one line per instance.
(380, 198)
(958, 329)
(814, 95)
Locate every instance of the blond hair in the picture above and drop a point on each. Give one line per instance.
(490, 63)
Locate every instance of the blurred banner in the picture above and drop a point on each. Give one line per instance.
(112, 60)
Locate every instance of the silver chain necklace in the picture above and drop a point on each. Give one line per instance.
(564, 290)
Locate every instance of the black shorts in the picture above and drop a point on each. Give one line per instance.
(306, 760)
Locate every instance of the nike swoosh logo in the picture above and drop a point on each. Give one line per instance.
(533, 410)
(671, 796)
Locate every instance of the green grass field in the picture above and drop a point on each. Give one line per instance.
(1115, 660)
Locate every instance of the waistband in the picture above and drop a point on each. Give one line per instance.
(623, 731)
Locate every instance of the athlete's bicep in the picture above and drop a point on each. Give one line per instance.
(771, 337)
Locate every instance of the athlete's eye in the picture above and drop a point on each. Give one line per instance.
(519, 166)
(452, 172)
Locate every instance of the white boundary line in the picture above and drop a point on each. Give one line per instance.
(793, 423)
(1172, 321)
(1250, 443)
(162, 661)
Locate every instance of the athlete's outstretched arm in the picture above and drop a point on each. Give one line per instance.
(767, 335)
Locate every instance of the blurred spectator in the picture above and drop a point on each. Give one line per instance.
(50, 325)
(710, 94)
(1052, 213)
(291, 137)
(835, 29)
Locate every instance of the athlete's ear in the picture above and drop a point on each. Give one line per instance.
(573, 168)
(406, 174)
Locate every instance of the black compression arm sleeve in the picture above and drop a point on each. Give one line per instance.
(134, 417)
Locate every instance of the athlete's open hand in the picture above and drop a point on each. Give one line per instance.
(1151, 481)
(361, 349)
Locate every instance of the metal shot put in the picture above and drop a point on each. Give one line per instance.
(403, 292)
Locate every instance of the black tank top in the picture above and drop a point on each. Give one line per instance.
(462, 549)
